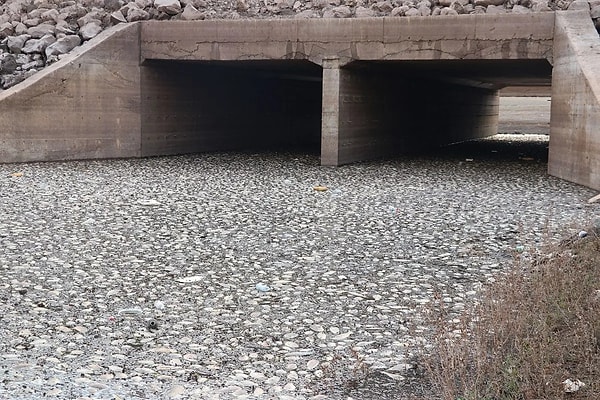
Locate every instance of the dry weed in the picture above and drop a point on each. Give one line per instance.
(533, 329)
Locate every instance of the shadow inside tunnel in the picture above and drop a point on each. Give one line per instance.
(501, 147)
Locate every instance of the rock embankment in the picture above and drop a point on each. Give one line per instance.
(35, 33)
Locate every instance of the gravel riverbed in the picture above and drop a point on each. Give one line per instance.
(222, 276)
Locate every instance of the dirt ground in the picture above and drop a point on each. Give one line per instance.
(524, 115)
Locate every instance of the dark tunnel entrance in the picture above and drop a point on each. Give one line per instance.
(393, 108)
(384, 108)
(200, 106)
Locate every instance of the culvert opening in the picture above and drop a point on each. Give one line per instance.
(425, 107)
(504, 147)
(525, 110)
(523, 128)
(206, 106)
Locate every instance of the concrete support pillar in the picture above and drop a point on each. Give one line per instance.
(358, 114)
(330, 118)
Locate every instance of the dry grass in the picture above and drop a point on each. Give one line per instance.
(533, 329)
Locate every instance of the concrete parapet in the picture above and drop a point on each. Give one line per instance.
(477, 36)
(87, 105)
(574, 152)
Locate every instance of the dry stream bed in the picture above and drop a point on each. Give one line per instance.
(222, 276)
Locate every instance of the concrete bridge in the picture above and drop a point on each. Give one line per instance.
(353, 89)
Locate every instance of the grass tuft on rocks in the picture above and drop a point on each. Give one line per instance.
(535, 327)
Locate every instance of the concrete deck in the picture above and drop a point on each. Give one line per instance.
(352, 89)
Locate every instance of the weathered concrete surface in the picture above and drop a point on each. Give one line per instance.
(375, 100)
(477, 36)
(116, 97)
(84, 106)
(526, 91)
(359, 88)
(574, 152)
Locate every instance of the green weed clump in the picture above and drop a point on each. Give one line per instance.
(534, 328)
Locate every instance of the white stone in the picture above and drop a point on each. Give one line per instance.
(191, 13)
(176, 392)
(90, 30)
(170, 7)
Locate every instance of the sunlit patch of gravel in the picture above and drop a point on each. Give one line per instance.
(219, 276)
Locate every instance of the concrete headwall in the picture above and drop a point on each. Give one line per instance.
(475, 36)
(574, 152)
(357, 87)
(87, 105)
(371, 110)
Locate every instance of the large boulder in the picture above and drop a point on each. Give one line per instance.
(20, 28)
(51, 15)
(73, 12)
(117, 17)
(342, 12)
(8, 64)
(540, 6)
(41, 30)
(191, 13)
(90, 30)
(137, 14)
(171, 7)
(577, 5)
(10, 80)
(363, 12)
(492, 9)
(518, 9)
(6, 29)
(412, 12)
(15, 43)
(38, 45)
(63, 45)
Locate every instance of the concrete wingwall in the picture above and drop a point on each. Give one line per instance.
(87, 105)
(574, 152)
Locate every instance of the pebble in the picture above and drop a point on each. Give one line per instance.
(228, 221)
(176, 392)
